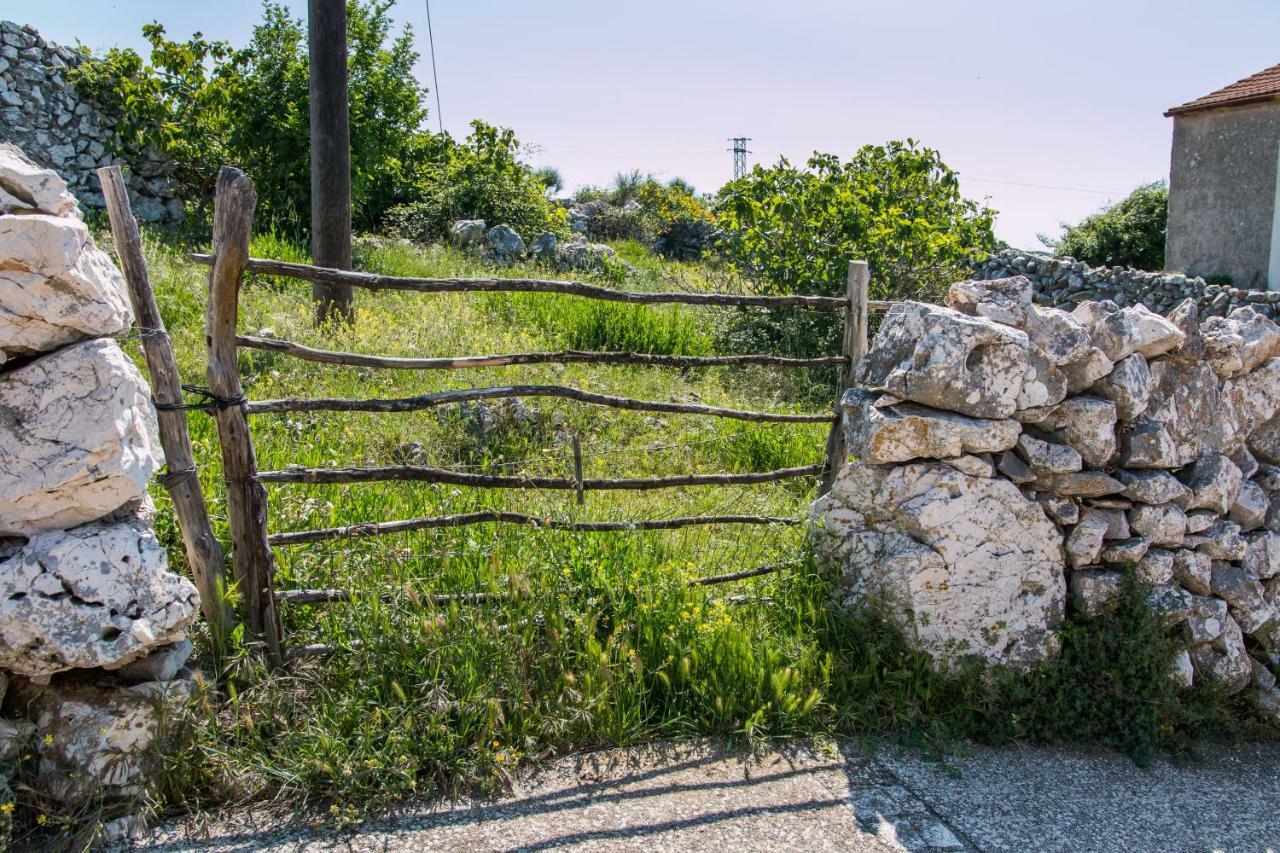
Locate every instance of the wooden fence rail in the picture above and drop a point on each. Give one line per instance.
(428, 474)
(351, 359)
(253, 559)
(373, 281)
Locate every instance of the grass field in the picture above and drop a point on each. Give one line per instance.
(601, 641)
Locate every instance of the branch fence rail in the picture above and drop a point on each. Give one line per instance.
(252, 542)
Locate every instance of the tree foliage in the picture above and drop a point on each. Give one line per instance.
(1129, 233)
(897, 206)
(205, 104)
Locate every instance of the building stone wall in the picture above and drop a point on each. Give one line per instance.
(44, 115)
(1222, 193)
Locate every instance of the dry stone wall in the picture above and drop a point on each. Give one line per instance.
(41, 112)
(1066, 282)
(92, 621)
(1008, 461)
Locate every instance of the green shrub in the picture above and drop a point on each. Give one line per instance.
(1129, 233)
(481, 178)
(896, 206)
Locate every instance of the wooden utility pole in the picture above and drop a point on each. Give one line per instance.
(330, 156)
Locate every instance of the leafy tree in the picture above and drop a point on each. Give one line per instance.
(1129, 233)
(204, 104)
(897, 206)
(550, 177)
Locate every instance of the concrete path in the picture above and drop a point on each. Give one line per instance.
(694, 797)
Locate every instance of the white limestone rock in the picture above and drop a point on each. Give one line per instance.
(881, 429)
(95, 741)
(1087, 424)
(1214, 481)
(1086, 370)
(77, 438)
(1223, 346)
(1163, 524)
(1083, 545)
(1156, 335)
(974, 466)
(1222, 541)
(27, 188)
(1095, 592)
(95, 596)
(1183, 418)
(942, 358)
(1062, 511)
(1250, 507)
(1225, 659)
(1207, 619)
(56, 286)
(1261, 337)
(1128, 386)
(1045, 457)
(1262, 555)
(1080, 484)
(1193, 570)
(1007, 301)
(1153, 487)
(1181, 672)
(1156, 567)
(1112, 329)
(1059, 335)
(968, 563)
(1043, 384)
(162, 664)
(1124, 551)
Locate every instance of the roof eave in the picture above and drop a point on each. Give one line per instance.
(1236, 102)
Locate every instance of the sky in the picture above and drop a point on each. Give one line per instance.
(1048, 111)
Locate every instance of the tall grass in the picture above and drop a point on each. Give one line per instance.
(601, 640)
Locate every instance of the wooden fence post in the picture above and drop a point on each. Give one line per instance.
(233, 206)
(182, 481)
(854, 347)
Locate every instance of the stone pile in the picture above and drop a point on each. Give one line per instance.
(1008, 461)
(1066, 282)
(92, 622)
(503, 244)
(41, 111)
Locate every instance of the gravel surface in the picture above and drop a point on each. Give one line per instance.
(703, 796)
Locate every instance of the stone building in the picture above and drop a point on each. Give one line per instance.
(1224, 184)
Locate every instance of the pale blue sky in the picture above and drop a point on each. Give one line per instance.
(1047, 109)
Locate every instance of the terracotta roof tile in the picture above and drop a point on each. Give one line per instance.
(1256, 87)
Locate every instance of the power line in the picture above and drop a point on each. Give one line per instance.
(435, 78)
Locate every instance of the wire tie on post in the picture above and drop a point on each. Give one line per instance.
(208, 401)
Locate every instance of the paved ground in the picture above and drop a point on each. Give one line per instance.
(705, 797)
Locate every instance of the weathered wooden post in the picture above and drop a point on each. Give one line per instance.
(330, 156)
(182, 481)
(854, 348)
(233, 205)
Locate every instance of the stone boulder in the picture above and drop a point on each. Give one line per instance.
(1128, 385)
(28, 188)
(947, 360)
(967, 564)
(882, 428)
(98, 741)
(1086, 424)
(100, 595)
(1183, 418)
(78, 438)
(581, 255)
(467, 233)
(1007, 301)
(56, 286)
(504, 243)
(544, 247)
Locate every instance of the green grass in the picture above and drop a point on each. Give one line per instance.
(601, 641)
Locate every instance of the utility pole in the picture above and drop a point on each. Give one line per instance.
(330, 156)
(740, 153)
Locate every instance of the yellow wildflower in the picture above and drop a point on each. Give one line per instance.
(48, 740)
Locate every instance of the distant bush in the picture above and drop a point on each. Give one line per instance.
(1129, 233)
(481, 178)
(896, 206)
